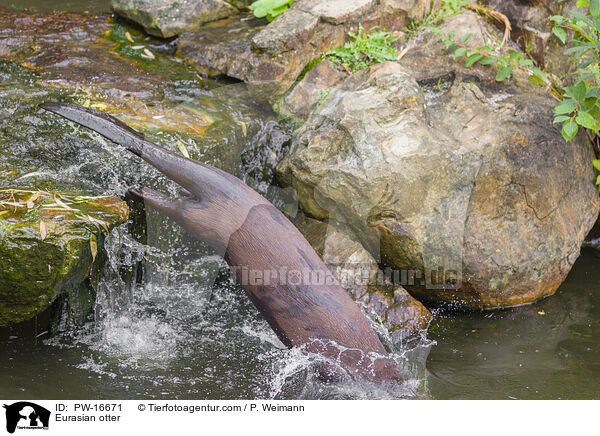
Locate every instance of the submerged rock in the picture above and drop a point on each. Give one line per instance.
(444, 172)
(105, 65)
(357, 271)
(171, 17)
(49, 243)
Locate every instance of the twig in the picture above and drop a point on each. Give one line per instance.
(498, 16)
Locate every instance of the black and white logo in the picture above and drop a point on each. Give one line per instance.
(26, 415)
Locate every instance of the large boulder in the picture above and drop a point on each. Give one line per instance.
(171, 17)
(269, 58)
(443, 173)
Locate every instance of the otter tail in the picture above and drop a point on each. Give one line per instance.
(108, 126)
(197, 177)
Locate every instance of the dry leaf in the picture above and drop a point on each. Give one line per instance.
(93, 247)
(182, 149)
(43, 229)
(128, 36)
(148, 54)
(61, 204)
(34, 197)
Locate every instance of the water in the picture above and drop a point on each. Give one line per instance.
(548, 350)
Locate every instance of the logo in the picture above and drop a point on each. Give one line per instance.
(26, 415)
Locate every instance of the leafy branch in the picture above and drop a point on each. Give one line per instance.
(506, 61)
(581, 106)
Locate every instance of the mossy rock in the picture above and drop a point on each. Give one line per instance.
(49, 243)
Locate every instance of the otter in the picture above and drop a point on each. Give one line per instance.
(276, 266)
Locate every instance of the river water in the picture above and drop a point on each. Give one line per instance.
(170, 322)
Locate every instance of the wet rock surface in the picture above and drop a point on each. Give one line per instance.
(170, 18)
(92, 61)
(49, 243)
(440, 169)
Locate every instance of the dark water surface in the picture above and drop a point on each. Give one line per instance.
(548, 350)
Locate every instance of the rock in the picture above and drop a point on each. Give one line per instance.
(269, 58)
(415, 9)
(390, 304)
(93, 60)
(48, 249)
(443, 172)
(167, 18)
(311, 90)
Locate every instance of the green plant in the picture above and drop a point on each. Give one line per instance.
(323, 94)
(270, 8)
(364, 50)
(581, 104)
(506, 61)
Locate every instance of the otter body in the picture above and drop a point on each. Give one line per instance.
(279, 270)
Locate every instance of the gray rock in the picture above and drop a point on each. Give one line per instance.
(441, 170)
(337, 11)
(312, 90)
(269, 58)
(166, 18)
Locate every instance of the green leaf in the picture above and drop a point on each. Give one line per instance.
(503, 73)
(466, 37)
(595, 8)
(579, 90)
(561, 118)
(487, 60)
(598, 180)
(569, 130)
(560, 33)
(584, 119)
(582, 3)
(460, 51)
(596, 163)
(536, 80)
(566, 107)
(557, 18)
(471, 59)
